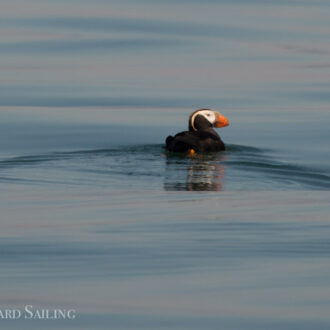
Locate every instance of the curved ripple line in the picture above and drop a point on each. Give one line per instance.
(146, 161)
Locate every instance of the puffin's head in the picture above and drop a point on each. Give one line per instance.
(204, 118)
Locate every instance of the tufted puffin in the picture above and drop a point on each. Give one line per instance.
(201, 136)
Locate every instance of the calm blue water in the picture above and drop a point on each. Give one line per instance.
(97, 217)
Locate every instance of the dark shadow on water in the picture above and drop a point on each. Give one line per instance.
(242, 167)
(195, 173)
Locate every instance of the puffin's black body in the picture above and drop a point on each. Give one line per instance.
(201, 136)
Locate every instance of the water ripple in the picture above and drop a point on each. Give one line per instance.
(239, 168)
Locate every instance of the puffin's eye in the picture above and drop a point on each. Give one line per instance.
(208, 115)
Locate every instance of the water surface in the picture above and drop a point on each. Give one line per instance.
(98, 217)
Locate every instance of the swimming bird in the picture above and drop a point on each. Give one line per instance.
(201, 136)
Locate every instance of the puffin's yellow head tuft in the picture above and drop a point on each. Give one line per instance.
(215, 118)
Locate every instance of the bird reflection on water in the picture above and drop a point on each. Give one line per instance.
(201, 172)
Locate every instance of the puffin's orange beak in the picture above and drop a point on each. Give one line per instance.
(220, 120)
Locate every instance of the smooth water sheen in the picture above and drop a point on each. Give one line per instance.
(96, 216)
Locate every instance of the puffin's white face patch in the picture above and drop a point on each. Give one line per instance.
(208, 114)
